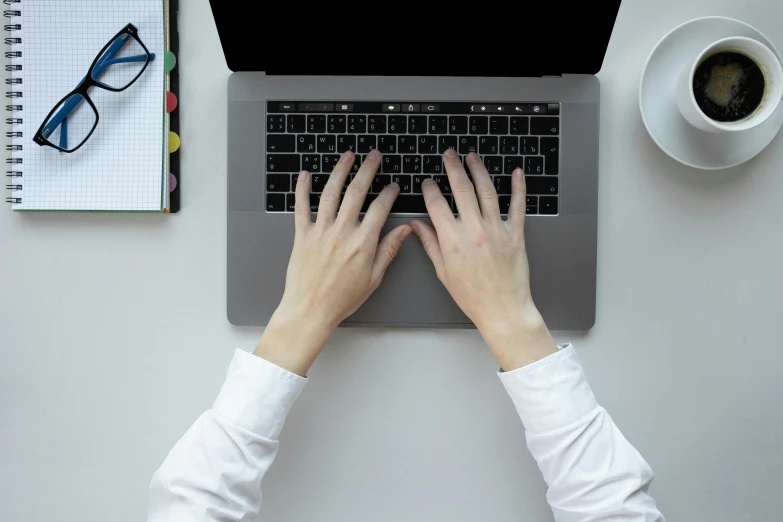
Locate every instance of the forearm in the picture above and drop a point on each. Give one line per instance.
(592, 471)
(214, 472)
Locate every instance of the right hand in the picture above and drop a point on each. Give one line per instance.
(481, 260)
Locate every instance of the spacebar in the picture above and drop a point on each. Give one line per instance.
(411, 204)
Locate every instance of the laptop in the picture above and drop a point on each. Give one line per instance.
(520, 95)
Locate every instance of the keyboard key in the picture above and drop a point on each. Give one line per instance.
(411, 107)
(502, 184)
(316, 123)
(336, 123)
(494, 164)
(297, 123)
(281, 143)
(275, 123)
(417, 180)
(275, 202)
(282, 163)
(544, 126)
(430, 107)
(328, 162)
(479, 125)
(519, 125)
(417, 124)
(550, 148)
(326, 143)
(368, 201)
(438, 125)
(311, 162)
(409, 204)
(346, 142)
(488, 144)
(468, 144)
(432, 165)
(443, 183)
(376, 124)
(428, 144)
(509, 145)
(534, 165)
(407, 144)
(547, 205)
(403, 181)
(532, 200)
(391, 107)
(365, 144)
(531, 209)
(544, 185)
(278, 182)
(498, 125)
(446, 142)
(318, 182)
(305, 143)
(528, 146)
(290, 203)
(458, 124)
(391, 164)
(504, 202)
(398, 124)
(316, 107)
(387, 144)
(380, 181)
(411, 164)
(357, 163)
(357, 124)
(512, 163)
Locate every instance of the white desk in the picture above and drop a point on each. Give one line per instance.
(99, 378)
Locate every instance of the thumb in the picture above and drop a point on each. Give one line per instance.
(387, 250)
(429, 240)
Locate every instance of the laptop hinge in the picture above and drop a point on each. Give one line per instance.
(552, 76)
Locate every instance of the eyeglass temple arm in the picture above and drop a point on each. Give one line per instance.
(105, 61)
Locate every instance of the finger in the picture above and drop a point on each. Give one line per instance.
(485, 190)
(330, 197)
(429, 240)
(518, 206)
(357, 190)
(378, 212)
(303, 220)
(387, 251)
(461, 187)
(437, 206)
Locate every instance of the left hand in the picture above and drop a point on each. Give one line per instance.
(336, 263)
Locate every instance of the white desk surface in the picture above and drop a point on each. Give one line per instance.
(100, 375)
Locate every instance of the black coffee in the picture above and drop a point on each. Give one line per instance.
(728, 86)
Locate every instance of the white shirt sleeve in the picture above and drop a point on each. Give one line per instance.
(214, 472)
(592, 471)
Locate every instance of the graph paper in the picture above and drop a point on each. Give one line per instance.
(121, 166)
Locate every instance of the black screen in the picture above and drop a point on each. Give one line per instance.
(531, 38)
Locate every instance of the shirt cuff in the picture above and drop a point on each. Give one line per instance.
(257, 395)
(550, 393)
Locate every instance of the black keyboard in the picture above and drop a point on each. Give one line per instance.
(412, 136)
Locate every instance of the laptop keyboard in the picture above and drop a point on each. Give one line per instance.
(412, 136)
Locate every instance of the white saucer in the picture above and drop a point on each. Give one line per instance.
(657, 99)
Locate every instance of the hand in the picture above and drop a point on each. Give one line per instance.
(481, 260)
(335, 265)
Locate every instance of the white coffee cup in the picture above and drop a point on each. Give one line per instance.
(770, 66)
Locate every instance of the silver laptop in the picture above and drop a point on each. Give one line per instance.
(526, 105)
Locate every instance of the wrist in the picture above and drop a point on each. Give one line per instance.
(519, 340)
(293, 341)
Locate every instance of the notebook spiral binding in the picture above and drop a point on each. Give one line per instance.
(15, 135)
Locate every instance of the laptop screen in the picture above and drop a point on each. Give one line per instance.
(531, 38)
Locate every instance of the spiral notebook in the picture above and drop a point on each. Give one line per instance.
(125, 164)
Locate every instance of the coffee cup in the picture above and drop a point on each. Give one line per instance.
(733, 85)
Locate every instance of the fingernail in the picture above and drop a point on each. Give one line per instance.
(518, 174)
(395, 185)
(302, 177)
(374, 154)
(427, 181)
(450, 153)
(347, 157)
(473, 157)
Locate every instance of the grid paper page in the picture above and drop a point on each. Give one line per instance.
(121, 166)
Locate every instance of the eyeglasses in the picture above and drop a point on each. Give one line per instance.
(73, 120)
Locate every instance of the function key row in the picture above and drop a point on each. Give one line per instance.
(415, 106)
(400, 124)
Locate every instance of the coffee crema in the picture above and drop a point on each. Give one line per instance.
(728, 86)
